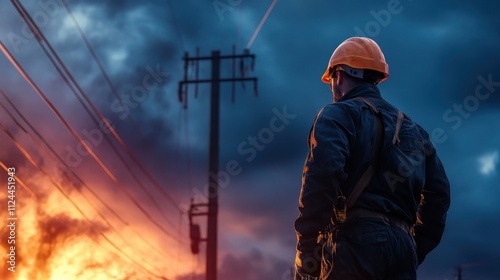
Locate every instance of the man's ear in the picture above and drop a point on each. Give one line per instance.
(340, 78)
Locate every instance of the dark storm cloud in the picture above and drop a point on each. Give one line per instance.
(147, 50)
(464, 43)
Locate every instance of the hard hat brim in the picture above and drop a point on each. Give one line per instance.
(326, 77)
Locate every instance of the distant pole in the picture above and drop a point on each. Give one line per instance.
(213, 167)
(213, 163)
(459, 272)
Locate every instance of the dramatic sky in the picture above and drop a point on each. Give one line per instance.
(83, 223)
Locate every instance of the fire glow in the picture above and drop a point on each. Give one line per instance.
(54, 242)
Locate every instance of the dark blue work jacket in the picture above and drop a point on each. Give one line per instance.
(340, 147)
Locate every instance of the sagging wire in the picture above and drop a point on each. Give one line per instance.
(56, 158)
(39, 34)
(60, 189)
(101, 67)
(80, 140)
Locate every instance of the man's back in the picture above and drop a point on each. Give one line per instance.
(341, 142)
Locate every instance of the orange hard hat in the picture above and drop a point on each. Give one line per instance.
(358, 53)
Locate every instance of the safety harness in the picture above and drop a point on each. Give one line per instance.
(341, 214)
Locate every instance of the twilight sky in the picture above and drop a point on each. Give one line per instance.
(443, 73)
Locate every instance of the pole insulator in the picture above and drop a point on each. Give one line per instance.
(195, 235)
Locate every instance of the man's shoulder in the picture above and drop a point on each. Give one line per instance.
(392, 111)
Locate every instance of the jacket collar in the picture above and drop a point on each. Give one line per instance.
(365, 90)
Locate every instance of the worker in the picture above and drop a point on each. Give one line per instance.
(374, 193)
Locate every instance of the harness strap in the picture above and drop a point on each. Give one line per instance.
(365, 179)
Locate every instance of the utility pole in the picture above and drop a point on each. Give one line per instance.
(212, 206)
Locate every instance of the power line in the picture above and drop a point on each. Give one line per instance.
(94, 55)
(89, 46)
(53, 152)
(80, 140)
(259, 27)
(99, 64)
(34, 28)
(56, 158)
(59, 188)
(51, 157)
(64, 174)
(39, 39)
